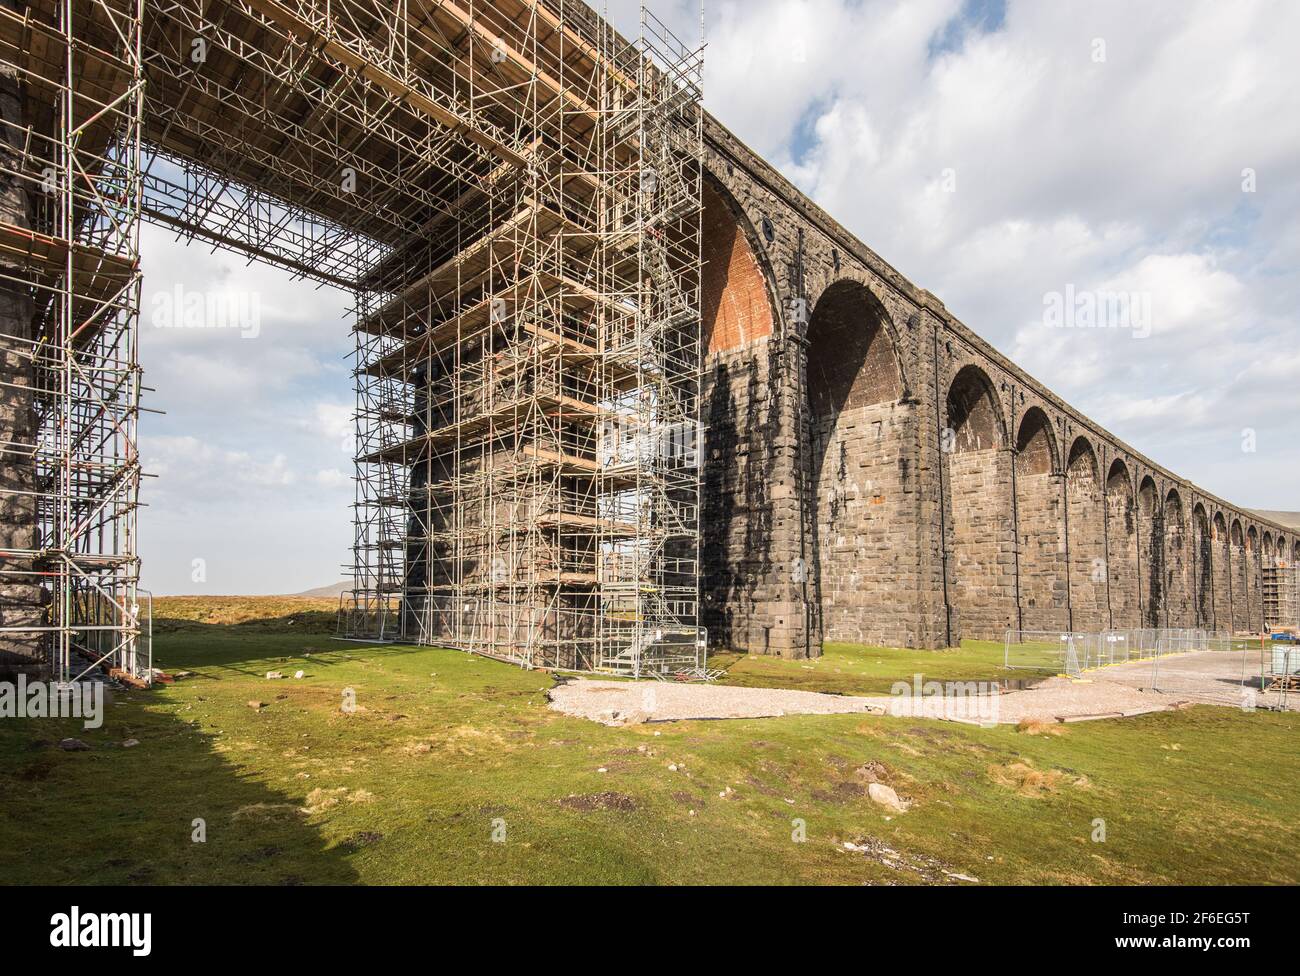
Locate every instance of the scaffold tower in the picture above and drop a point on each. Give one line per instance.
(528, 408)
(512, 192)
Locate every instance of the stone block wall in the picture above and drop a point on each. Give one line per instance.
(983, 543)
(1122, 559)
(21, 598)
(1086, 542)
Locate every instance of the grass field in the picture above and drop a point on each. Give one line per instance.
(445, 750)
(850, 669)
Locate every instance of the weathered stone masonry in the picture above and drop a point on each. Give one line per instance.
(877, 473)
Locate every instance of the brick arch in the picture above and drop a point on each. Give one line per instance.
(861, 432)
(977, 482)
(1036, 451)
(1082, 453)
(1040, 530)
(1122, 560)
(1179, 611)
(736, 305)
(973, 412)
(1151, 551)
(852, 352)
(1085, 537)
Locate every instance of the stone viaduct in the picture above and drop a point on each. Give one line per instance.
(874, 472)
(877, 473)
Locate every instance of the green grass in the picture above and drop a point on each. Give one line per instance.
(854, 669)
(444, 748)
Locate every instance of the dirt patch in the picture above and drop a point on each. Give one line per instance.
(362, 839)
(873, 771)
(760, 787)
(607, 800)
(260, 854)
(35, 772)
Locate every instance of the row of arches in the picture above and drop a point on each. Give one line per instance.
(1041, 532)
(1035, 525)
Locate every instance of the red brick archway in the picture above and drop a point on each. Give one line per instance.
(735, 304)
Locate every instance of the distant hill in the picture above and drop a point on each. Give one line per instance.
(334, 589)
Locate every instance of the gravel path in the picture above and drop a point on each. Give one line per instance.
(1212, 678)
(633, 702)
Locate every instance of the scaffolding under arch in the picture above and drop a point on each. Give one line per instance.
(511, 190)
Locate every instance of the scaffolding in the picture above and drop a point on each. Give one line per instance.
(1281, 587)
(527, 409)
(512, 192)
(70, 277)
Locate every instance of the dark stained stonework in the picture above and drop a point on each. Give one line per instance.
(876, 473)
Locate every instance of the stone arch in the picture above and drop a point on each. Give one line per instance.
(1040, 557)
(1254, 581)
(1151, 552)
(1202, 568)
(1036, 451)
(736, 306)
(859, 428)
(1267, 553)
(738, 312)
(1085, 537)
(973, 416)
(977, 478)
(1239, 578)
(1280, 553)
(1178, 600)
(1221, 562)
(852, 353)
(1122, 564)
(1295, 553)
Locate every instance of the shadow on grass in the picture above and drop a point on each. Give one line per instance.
(314, 623)
(252, 648)
(129, 815)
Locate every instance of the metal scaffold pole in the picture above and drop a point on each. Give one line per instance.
(73, 251)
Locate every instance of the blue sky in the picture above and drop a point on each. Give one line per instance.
(993, 152)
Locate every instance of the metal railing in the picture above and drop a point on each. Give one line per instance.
(1072, 652)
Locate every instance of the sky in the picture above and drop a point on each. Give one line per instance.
(1004, 156)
